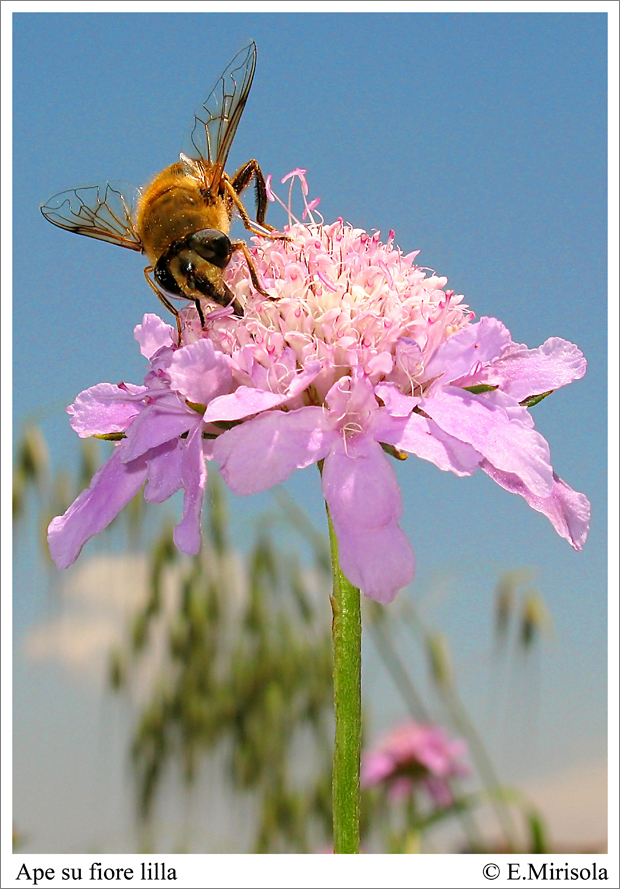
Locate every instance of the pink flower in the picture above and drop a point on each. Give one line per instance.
(358, 354)
(164, 444)
(416, 755)
(401, 366)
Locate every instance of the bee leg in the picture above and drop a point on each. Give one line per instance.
(164, 299)
(200, 312)
(241, 245)
(242, 179)
(243, 213)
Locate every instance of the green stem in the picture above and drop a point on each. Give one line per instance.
(347, 646)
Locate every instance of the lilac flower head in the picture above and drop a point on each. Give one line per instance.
(416, 755)
(357, 356)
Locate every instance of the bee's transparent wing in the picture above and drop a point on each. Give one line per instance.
(216, 120)
(104, 211)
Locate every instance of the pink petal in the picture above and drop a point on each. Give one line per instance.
(245, 400)
(379, 365)
(264, 451)
(379, 562)
(106, 408)
(153, 334)
(187, 534)
(352, 402)
(522, 372)
(408, 363)
(164, 471)
(364, 503)
(400, 788)
(567, 510)
(440, 790)
(111, 488)
(199, 372)
(397, 404)
(507, 443)
(427, 440)
(376, 767)
(158, 423)
(477, 343)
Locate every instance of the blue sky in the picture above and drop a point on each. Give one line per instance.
(480, 139)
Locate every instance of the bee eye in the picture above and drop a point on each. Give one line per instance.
(212, 245)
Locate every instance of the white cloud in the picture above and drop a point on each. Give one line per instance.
(98, 600)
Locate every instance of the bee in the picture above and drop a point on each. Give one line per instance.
(181, 220)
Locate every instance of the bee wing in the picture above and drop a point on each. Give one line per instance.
(216, 120)
(104, 211)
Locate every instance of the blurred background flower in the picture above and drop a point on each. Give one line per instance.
(416, 756)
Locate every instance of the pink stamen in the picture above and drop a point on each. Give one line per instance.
(386, 272)
(310, 207)
(300, 174)
(330, 286)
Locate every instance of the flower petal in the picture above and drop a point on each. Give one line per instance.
(153, 334)
(507, 443)
(111, 488)
(158, 423)
(376, 767)
(187, 534)
(352, 402)
(477, 343)
(397, 404)
(245, 400)
(199, 372)
(164, 471)
(567, 510)
(522, 372)
(424, 438)
(364, 503)
(106, 408)
(263, 452)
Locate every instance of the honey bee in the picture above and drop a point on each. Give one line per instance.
(181, 220)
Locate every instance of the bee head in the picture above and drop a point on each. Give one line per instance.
(212, 245)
